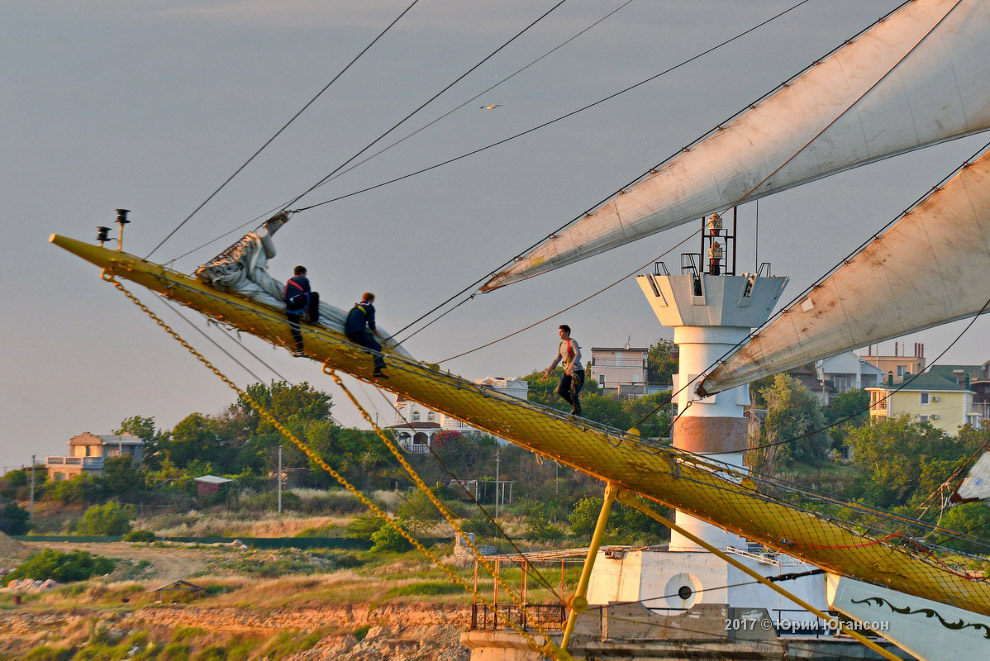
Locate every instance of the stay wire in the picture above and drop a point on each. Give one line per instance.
(885, 398)
(479, 94)
(423, 105)
(845, 260)
(460, 483)
(503, 141)
(540, 126)
(284, 127)
(559, 312)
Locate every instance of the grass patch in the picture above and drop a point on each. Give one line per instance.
(361, 631)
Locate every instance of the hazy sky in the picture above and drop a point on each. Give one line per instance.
(151, 105)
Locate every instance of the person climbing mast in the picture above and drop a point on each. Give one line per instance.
(360, 329)
(300, 300)
(573, 380)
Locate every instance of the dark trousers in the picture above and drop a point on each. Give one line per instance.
(313, 316)
(368, 341)
(569, 387)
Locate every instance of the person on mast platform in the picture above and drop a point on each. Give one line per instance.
(573, 380)
(360, 328)
(300, 300)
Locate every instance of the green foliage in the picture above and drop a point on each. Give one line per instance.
(794, 419)
(425, 588)
(585, 515)
(108, 519)
(971, 519)
(626, 525)
(268, 500)
(62, 567)
(80, 490)
(364, 526)
(140, 536)
(539, 528)
(481, 526)
(46, 653)
(361, 631)
(13, 518)
(16, 483)
(661, 362)
(899, 458)
(388, 539)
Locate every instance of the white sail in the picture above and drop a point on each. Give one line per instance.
(243, 269)
(930, 267)
(918, 77)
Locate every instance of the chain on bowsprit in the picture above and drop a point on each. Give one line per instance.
(549, 647)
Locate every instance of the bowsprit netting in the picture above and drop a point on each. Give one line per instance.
(760, 510)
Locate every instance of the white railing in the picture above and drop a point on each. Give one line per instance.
(86, 462)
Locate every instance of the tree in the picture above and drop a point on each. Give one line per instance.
(661, 362)
(107, 519)
(794, 420)
(121, 477)
(13, 519)
(62, 567)
(892, 454)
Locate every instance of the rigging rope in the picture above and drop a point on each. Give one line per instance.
(549, 646)
(460, 483)
(284, 127)
(496, 144)
(551, 316)
(424, 104)
(535, 128)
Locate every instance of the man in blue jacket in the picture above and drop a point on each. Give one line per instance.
(300, 300)
(360, 329)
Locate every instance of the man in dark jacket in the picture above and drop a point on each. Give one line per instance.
(300, 300)
(360, 329)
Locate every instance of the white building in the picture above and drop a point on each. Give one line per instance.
(415, 425)
(613, 367)
(848, 371)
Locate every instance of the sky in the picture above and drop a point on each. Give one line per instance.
(152, 106)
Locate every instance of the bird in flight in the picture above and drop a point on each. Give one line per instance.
(491, 107)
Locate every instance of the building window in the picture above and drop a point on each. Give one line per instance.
(431, 416)
(415, 416)
(601, 380)
(925, 398)
(922, 418)
(900, 371)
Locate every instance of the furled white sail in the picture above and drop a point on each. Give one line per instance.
(930, 267)
(243, 269)
(916, 78)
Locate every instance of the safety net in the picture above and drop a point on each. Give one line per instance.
(759, 509)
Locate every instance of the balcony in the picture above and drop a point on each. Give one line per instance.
(86, 463)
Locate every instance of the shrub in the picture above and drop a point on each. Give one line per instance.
(62, 567)
(13, 519)
(388, 538)
(108, 519)
(140, 536)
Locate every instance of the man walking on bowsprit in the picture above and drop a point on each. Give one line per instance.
(570, 384)
(360, 329)
(300, 301)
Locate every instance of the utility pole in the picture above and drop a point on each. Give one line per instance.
(32, 488)
(496, 479)
(279, 479)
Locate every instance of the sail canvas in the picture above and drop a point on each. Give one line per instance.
(916, 78)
